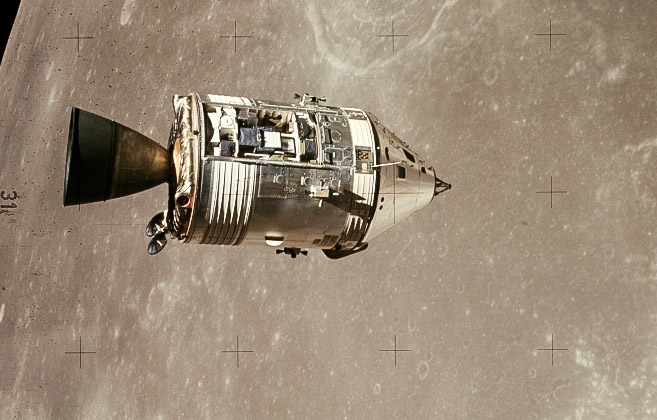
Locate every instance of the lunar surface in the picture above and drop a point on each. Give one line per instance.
(513, 302)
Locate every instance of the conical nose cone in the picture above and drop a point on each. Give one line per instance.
(107, 160)
(406, 183)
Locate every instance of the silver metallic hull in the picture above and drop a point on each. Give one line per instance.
(310, 177)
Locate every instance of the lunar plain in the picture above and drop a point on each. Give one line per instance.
(473, 285)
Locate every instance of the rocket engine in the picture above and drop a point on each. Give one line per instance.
(243, 171)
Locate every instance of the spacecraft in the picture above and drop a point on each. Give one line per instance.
(242, 171)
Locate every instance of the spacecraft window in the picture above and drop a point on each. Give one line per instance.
(401, 172)
(387, 155)
(409, 155)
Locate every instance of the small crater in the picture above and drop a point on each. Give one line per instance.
(443, 249)
(422, 370)
(490, 75)
(412, 326)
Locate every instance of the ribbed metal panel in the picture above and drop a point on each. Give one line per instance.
(363, 198)
(354, 229)
(232, 100)
(232, 187)
(363, 187)
(361, 132)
